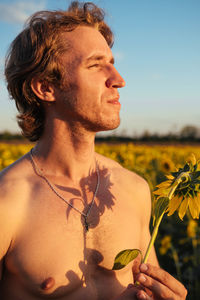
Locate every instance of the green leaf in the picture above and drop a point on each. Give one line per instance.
(124, 257)
(160, 207)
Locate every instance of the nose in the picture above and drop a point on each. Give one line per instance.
(115, 80)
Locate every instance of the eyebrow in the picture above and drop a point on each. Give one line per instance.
(99, 58)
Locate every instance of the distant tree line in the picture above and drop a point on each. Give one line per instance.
(9, 136)
(188, 133)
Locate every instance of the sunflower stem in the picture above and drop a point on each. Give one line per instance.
(153, 237)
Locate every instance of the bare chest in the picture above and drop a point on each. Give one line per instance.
(54, 255)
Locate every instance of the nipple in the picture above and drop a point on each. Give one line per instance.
(47, 283)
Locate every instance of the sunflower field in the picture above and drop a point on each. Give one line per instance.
(178, 242)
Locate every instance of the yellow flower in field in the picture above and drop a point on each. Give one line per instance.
(166, 165)
(182, 188)
(165, 244)
(8, 162)
(191, 228)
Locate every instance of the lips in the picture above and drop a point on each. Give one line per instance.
(114, 101)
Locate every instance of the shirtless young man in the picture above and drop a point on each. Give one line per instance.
(60, 72)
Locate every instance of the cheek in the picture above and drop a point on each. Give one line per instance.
(92, 94)
(87, 91)
(93, 83)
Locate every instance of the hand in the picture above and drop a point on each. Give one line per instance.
(129, 294)
(160, 285)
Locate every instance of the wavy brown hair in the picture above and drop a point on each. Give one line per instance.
(36, 51)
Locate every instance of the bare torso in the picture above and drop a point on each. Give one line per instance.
(48, 253)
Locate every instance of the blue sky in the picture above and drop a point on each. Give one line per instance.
(157, 51)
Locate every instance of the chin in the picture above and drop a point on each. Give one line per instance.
(102, 124)
(106, 126)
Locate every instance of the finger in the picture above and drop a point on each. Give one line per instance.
(129, 293)
(163, 277)
(157, 288)
(141, 295)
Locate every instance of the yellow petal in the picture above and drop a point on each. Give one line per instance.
(162, 191)
(174, 204)
(164, 184)
(197, 203)
(183, 208)
(170, 177)
(194, 210)
(197, 200)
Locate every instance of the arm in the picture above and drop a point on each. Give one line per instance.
(8, 212)
(129, 294)
(5, 235)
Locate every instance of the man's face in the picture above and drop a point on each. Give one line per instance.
(91, 94)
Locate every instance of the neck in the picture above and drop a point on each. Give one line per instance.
(69, 151)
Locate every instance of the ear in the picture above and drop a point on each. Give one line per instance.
(43, 89)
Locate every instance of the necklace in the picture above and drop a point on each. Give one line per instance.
(84, 215)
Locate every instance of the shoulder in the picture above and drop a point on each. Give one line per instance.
(15, 175)
(122, 175)
(130, 185)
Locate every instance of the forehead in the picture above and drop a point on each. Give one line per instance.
(85, 41)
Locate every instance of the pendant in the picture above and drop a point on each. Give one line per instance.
(87, 225)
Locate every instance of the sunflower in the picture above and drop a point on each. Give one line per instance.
(179, 191)
(165, 244)
(182, 188)
(166, 164)
(192, 228)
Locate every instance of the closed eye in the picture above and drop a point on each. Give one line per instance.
(94, 66)
(96, 61)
